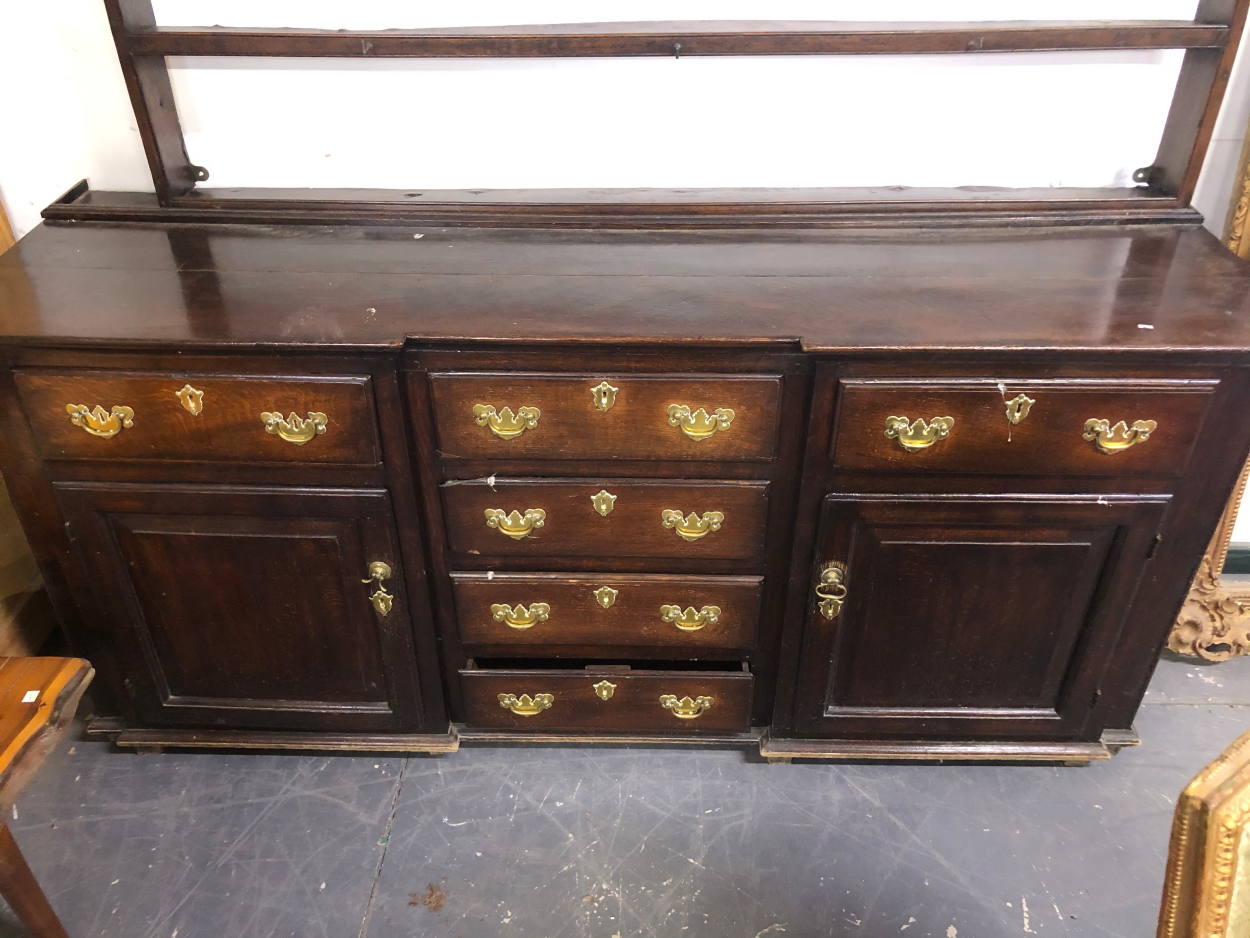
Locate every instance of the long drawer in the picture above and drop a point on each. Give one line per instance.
(685, 613)
(607, 518)
(592, 416)
(1035, 427)
(608, 700)
(206, 418)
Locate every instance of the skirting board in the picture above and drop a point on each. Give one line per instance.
(927, 750)
(745, 740)
(433, 743)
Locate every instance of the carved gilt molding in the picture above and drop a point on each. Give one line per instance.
(1214, 622)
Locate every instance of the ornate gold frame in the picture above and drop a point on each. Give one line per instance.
(1214, 622)
(1204, 894)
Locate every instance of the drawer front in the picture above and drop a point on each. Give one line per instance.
(605, 518)
(206, 418)
(607, 417)
(1143, 428)
(609, 701)
(689, 612)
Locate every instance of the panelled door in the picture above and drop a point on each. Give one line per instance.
(246, 606)
(967, 616)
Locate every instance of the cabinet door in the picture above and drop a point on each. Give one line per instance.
(244, 607)
(968, 616)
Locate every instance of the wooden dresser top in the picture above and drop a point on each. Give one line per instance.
(978, 288)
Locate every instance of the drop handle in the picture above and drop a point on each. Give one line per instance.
(381, 599)
(831, 591)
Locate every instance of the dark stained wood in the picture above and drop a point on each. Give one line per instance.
(1196, 103)
(634, 618)
(969, 616)
(573, 529)
(1033, 291)
(1056, 312)
(152, 97)
(432, 743)
(1211, 40)
(663, 209)
(636, 425)
(749, 37)
(246, 606)
(928, 750)
(227, 429)
(1050, 439)
(633, 707)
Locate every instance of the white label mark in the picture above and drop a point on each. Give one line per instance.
(30, 696)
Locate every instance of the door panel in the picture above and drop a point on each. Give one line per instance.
(969, 616)
(245, 607)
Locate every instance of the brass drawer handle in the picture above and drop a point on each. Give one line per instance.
(700, 424)
(692, 527)
(505, 424)
(295, 429)
(192, 399)
(515, 525)
(1116, 439)
(918, 434)
(832, 591)
(518, 617)
(525, 705)
(690, 620)
(686, 709)
(381, 599)
(101, 422)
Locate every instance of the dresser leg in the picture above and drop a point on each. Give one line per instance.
(779, 760)
(18, 886)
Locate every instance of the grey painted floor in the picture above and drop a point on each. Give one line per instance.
(552, 841)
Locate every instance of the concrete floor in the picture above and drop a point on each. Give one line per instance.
(562, 841)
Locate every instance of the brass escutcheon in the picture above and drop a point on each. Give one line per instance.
(1018, 408)
(525, 705)
(918, 434)
(700, 424)
(505, 424)
(100, 422)
(686, 709)
(691, 527)
(604, 689)
(606, 596)
(381, 599)
(691, 620)
(518, 617)
(603, 501)
(603, 395)
(515, 525)
(295, 429)
(1116, 439)
(831, 591)
(192, 400)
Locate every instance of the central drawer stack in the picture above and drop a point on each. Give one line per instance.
(618, 601)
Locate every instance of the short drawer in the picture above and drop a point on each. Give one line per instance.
(591, 416)
(1144, 427)
(206, 418)
(688, 612)
(606, 518)
(608, 700)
